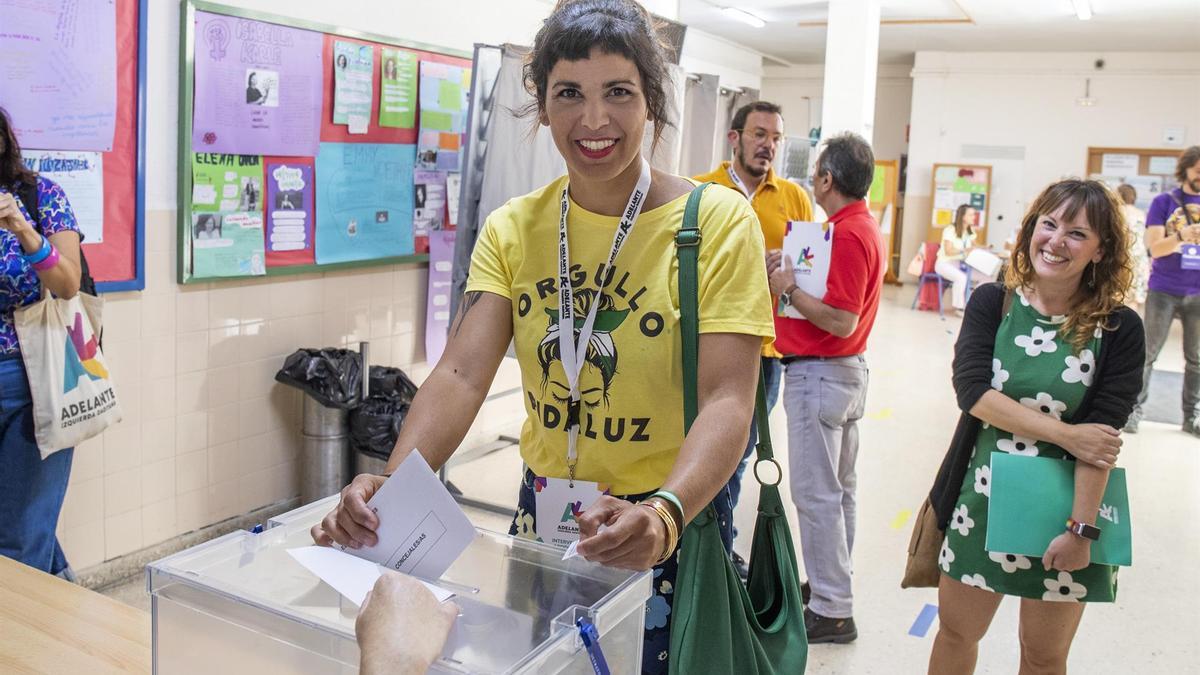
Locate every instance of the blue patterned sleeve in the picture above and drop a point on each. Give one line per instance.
(54, 211)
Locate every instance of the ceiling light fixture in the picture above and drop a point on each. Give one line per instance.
(743, 16)
(1086, 101)
(1083, 9)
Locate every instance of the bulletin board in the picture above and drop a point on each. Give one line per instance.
(956, 184)
(64, 126)
(306, 147)
(883, 200)
(1151, 171)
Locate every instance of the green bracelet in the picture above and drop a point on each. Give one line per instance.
(670, 497)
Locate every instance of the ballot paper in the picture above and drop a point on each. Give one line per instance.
(422, 530)
(352, 577)
(572, 551)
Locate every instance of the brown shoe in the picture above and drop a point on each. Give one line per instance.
(822, 629)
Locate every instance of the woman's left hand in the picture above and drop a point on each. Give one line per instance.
(633, 538)
(1067, 552)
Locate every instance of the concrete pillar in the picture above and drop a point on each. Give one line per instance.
(851, 61)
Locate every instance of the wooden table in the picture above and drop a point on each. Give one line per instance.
(48, 625)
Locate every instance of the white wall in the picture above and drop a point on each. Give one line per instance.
(737, 66)
(1024, 103)
(799, 90)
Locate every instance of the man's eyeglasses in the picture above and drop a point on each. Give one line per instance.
(760, 136)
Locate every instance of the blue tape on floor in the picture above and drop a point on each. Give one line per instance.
(924, 620)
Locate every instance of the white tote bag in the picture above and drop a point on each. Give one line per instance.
(71, 385)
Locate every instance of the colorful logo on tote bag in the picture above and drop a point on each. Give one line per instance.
(80, 358)
(806, 257)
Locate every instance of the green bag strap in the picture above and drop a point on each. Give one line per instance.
(687, 246)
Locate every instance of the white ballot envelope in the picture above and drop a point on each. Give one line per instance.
(810, 247)
(350, 576)
(422, 530)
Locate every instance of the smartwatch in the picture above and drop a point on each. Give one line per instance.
(1083, 529)
(786, 296)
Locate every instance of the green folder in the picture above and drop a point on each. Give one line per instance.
(1031, 499)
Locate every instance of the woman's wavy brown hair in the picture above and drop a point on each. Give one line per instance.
(1104, 284)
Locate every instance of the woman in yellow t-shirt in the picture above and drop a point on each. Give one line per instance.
(614, 422)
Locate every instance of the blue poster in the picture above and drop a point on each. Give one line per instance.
(364, 201)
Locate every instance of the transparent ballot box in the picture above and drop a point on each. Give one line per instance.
(241, 604)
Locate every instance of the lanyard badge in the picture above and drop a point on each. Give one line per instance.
(574, 354)
(737, 182)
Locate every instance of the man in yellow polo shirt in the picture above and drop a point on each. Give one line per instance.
(756, 134)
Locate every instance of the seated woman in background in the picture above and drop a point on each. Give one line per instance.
(957, 241)
(1046, 365)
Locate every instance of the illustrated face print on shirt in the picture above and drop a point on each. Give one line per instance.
(621, 321)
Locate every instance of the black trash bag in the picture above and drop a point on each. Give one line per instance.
(375, 424)
(387, 381)
(331, 376)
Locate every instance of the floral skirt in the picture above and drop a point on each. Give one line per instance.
(657, 642)
(963, 557)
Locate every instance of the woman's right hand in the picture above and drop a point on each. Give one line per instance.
(1096, 444)
(351, 523)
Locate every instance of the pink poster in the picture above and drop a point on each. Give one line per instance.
(437, 313)
(257, 88)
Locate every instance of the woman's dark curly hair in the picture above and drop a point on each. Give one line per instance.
(623, 27)
(12, 169)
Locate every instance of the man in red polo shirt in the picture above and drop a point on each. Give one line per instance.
(825, 380)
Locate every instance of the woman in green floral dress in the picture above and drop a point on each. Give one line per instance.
(1060, 346)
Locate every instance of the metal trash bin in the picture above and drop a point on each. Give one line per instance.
(324, 451)
(333, 385)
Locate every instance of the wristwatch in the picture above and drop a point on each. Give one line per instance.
(1083, 529)
(786, 296)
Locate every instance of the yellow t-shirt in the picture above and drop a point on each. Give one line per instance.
(631, 425)
(775, 202)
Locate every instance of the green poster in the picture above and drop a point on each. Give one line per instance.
(878, 185)
(398, 91)
(1031, 499)
(226, 182)
(228, 245)
(353, 66)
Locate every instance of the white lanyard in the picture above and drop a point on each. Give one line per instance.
(574, 355)
(737, 182)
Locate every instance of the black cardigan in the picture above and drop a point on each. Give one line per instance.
(1114, 391)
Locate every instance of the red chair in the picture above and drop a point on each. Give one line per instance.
(930, 285)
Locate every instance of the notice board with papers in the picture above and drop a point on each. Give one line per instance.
(73, 74)
(306, 147)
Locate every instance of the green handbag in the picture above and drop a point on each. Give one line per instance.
(719, 624)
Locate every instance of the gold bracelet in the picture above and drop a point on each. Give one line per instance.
(672, 532)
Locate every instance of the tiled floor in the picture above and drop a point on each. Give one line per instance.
(1153, 627)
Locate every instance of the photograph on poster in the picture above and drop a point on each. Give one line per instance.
(206, 226)
(262, 88)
